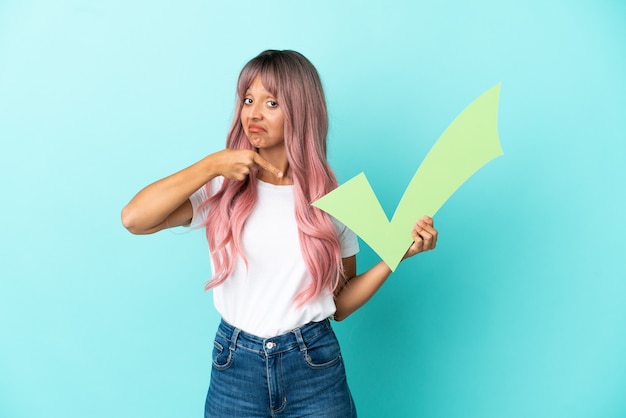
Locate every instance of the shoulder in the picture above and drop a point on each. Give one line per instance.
(199, 198)
(348, 240)
(205, 192)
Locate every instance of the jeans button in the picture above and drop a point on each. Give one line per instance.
(269, 345)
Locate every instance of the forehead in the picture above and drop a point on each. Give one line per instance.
(258, 88)
(258, 79)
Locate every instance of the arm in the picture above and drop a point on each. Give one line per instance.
(359, 289)
(165, 203)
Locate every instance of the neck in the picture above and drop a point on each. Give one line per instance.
(269, 177)
(278, 159)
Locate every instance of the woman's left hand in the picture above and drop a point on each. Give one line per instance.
(424, 237)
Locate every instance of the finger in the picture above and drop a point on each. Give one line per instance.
(414, 233)
(428, 229)
(427, 239)
(418, 241)
(243, 173)
(427, 224)
(262, 162)
(428, 235)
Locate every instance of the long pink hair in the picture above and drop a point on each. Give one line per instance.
(294, 81)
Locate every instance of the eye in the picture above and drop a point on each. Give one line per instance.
(247, 100)
(272, 103)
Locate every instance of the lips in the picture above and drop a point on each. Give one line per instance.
(255, 129)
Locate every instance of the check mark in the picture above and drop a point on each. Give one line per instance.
(467, 144)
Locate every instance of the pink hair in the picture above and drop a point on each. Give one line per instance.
(294, 81)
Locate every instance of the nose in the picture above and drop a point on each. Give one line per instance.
(255, 111)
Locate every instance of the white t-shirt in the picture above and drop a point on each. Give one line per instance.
(260, 299)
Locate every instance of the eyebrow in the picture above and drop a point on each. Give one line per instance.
(269, 94)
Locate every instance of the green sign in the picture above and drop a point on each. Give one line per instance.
(470, 142)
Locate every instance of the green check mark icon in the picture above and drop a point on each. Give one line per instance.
(469, 142)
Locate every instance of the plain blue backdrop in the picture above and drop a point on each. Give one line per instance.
(521, 310)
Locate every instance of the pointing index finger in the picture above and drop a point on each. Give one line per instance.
(262, 162)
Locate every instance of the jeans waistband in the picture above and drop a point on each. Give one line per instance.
(298, 337)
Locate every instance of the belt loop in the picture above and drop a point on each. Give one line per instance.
(300, 340)
(233, 339)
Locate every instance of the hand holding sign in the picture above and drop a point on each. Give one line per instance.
(470, 142)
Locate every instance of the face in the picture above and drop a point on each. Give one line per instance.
(262, 118)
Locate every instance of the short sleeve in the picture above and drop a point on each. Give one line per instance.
(347, 240)
(199, 197)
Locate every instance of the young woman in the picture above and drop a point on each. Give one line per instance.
(281, 267)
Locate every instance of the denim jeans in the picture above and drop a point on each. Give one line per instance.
(297, 374)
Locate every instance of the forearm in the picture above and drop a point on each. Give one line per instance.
(153, 204)
(360, 289)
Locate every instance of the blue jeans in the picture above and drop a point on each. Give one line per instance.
(297, 374)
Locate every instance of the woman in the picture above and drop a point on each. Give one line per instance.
(281, 267)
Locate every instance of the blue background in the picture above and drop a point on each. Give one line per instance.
(521, 310)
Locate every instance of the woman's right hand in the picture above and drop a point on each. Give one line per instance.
(236, 164)
(165, 203)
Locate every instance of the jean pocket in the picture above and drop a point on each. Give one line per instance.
(222, 355)
(323, 353)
